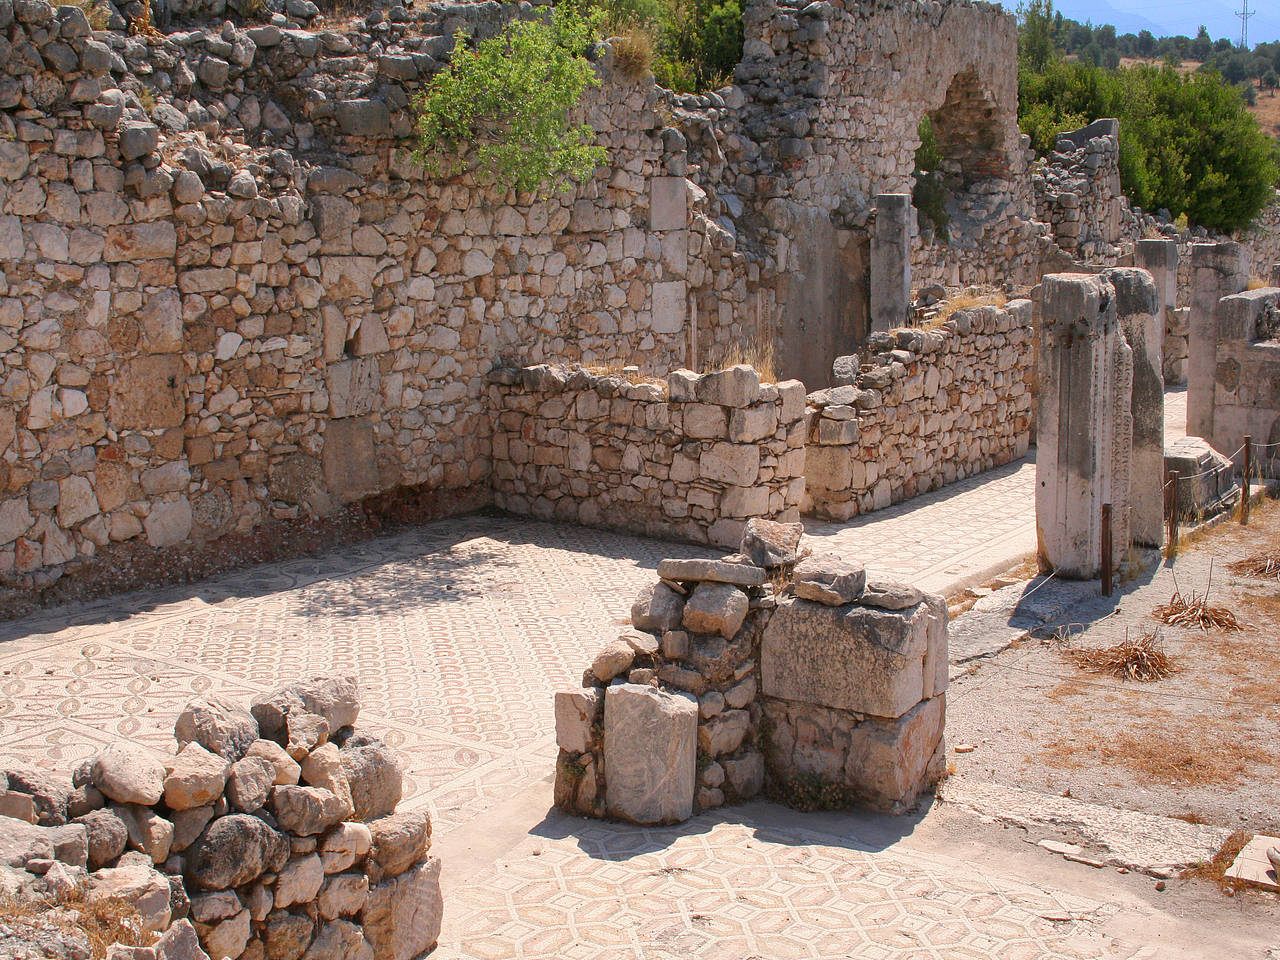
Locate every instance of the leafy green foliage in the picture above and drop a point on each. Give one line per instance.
(1187, 144)
(696, 43)
(503, 108)
(929, 196)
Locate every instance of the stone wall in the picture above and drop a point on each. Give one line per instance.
(770, 670)
(271, 833)
(692, 458)
(1077, 192)
(1246, 381)
(935, 406)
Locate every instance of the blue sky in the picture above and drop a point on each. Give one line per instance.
(1172, 17)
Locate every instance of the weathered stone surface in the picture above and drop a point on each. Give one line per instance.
(228, 937)
(306, 810)
(892, 761)
(144, 888)
(767, 543)
(250, 781)
(180, 942)
(740, 573)
(716, 608)
(217, 726)
(374, 774)
(146, 393)
(650, 753)
(236, 850)
(128, 774)
(285, 769)
(343, 895)
(744, 775)
(148, 831)
(50, 793)
(830, 579)
(188, 825)
(107, 836)
(306, 732)
(614, 658)
(657, 608)
(345, 845)
(287, 935)
(195, 778)
(299, 881)
(577, 711)
(398, 842)
(850, 658)
(889, 594)
(723, 733)
(402, 916)
(323, 768)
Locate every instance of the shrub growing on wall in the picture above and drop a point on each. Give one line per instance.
(503, 108)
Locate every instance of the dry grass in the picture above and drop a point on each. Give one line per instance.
(963, 301)
(95, 12)
(1264, 566)
(1215, 870)
(1256, 283)
(633, 54)
(101, 922)
(1142, 659)
(1194, 610)
(1159, 754)
(754, 352)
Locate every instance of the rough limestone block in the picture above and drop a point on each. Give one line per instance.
(716, 608)
(350, 464)
(1141, 318)
(891, 762)
(1084, 428)
(402, 916)
(668, 203)
(658, 608)
(1219, 270)
(1192, 457)
(670, 306)
(891, 261)
(650, 753)
(849, 658)
(577, 710)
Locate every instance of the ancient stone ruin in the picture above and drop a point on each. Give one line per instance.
(272, 833)
(770, 671)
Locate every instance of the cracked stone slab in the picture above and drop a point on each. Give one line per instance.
(1159, 846)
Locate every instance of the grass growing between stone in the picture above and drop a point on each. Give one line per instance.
(100, 923)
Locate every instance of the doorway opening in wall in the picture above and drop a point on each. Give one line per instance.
(929, 194)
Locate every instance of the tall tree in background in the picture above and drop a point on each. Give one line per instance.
(1036, 46)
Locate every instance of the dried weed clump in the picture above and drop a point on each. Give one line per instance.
(1193, 609)
(1142, 659)
(1264, 566)
(1215, 870)
(633, 53)
(101, 922)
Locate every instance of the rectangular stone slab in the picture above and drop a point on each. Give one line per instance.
(849, 658)
(650, 753)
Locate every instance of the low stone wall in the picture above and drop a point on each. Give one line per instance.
(769, 670)
(271, 833)
(935, 407)
(692, 458)
(1077, 191)
(1246, 383)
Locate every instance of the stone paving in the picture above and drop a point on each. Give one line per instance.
(458, 633)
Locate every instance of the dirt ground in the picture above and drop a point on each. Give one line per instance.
(1202, 744)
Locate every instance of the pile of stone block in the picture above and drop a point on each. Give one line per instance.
(693, 457)
(272, 833)
(933, 407)
(767, 670)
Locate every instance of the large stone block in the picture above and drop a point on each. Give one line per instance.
(891, 762)
(668, 203)
(670, 306)
(354, 387)
(402, 916)
(146, 393)
(350, 462)
(650, 753)
(855, 658)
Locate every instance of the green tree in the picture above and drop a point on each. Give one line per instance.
(503, 108)
(1036, 33)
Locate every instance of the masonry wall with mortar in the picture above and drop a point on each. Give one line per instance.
(271, 833)
(935, 406)
(692, 458)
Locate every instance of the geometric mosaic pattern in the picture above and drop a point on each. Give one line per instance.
(730, 890)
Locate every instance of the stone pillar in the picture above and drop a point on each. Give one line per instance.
(891, 262)
(1140, 313)
(1275, 275)
(1219, 270)
(1084, 424)
(1160, 259)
